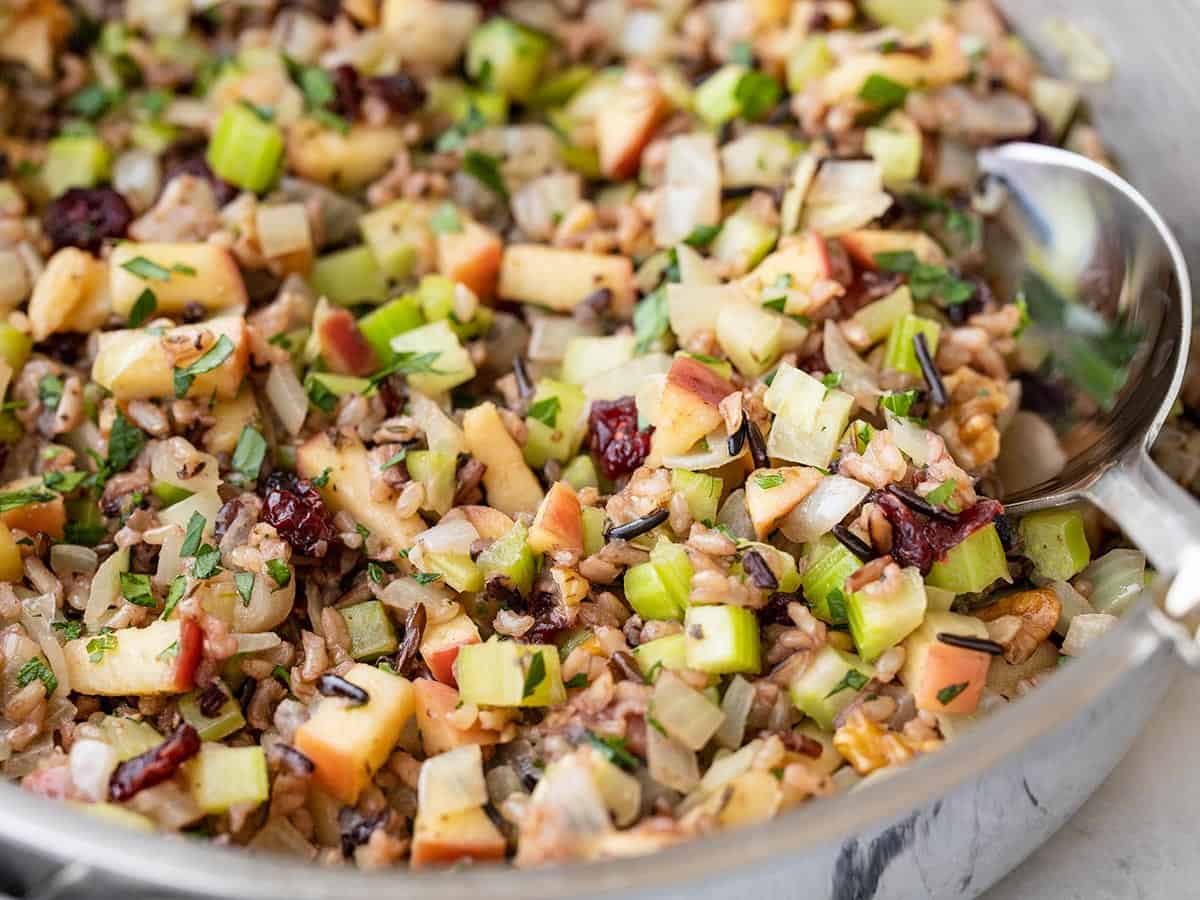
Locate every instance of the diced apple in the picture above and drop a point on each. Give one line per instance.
(134, 364)
(229, 418)
(435, 704)
(944, 64)
(625, 126)
(70, 295)
(440, 644)
(562, 279)
(158, 659)
(430, 34)
(195, 273)
(342, 345)
(689, 407)
(866, 244)
(511, 487)
(773, 493)
(465, 835)
(12, 569)
(349, 486)
(490, 523)
(558, 524)
(34, 518)
(471, 257)
(343, 161)
(932, 668)
(800, 262)
(347, 744)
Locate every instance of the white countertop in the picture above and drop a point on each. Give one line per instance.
(1136, 837)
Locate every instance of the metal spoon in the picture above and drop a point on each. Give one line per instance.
(1100, 245)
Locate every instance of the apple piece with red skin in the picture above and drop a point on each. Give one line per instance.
(48, 518)
(800, 261)
(866, 244)
(490, 523)
(773, 493)
(435, 704)
(341, 343)
(558, 524)
(689, 409)
(471, 256)
(191, 648)
(160, 658)
(452, 838)
(626, 125)
(440, 645)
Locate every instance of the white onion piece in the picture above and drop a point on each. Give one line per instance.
(176, 462)
(797, 192)
(670, 763)
(957, 166)
(834, 497)
(170, 563)
(621, 791)
(858, 378)
(686, 714)
(543, 201)
(452, 782)
(282, 229)
(736, 703)
(452, 536)
(405, 593)
(36, 615)
(693, 308)
(734, 516)
(726, 768)
(1029, 454)
(624, 380)
(286, 396)
(269, 605)
(257, 642)
(1084, 630)
(442, 434)
(1072, 604)
(1117, 580)
(137, 174)
(691, 194)
(549, 336)
(714, 457)
(694, 270)
(207, 503)
(92, 764)
(646, 34)
(910, 436)
(106, 587)
(72, 559)
(568, 789)
(845, 195)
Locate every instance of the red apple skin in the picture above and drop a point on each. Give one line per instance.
(441, 662)
(440, 647)
(558, 524)
(490, 523)
(435, 702)
(472, 257)
(626, 126)
(867, 243)
(698, 379)
(343, 346)
(191, 646)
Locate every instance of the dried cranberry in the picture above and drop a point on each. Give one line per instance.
(190, 161)
(347, 91)
(296, 510)
(86, 217)
(920, 541)
(614, 437)
(154, 766)
(401, 93)
(549, 617)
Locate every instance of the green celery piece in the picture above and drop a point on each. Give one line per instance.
(129, 737)
(384, 322)
(668, 652)
(881, 620)
(716, 100)
(507, 57)
(648, 595)
(503, 673)
(245, 150)
(593, 530)
(435, 471)
(509, 557)
(228, 719)
(722, 639)
(878, 319)
(396, 234)
(169, 493)
(973, 565)
(77, 161)
(900, 354)
(349, 276)
(823, 689)
(562, 441)
(372, 634)
(808, 62)
(222, 777)
(744, 240)
(907, 15)
(458, 570)
(15, 346)
(581, 472)
(450, 367)
(674, 569)
(339, 385)
(702, 492)
(556, 89)
(897, 152)
(491, 106)
(1056, 543)
(829, 565)
(436, 293)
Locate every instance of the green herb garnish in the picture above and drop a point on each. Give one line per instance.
(207, 562)
(613, 748)
(101, 644)
(35, 669)
(136, 589)
(947, 694)
(250, 452)
(279, 572)
(143, 308)
(651, 319)
(174, 595)
(485, 169)
(192, 535)
(244, 581)
(534, 675)
(146, 269)
(213, 357)
(768, 480)
(852, 680)
(546, 411)
(445, 220)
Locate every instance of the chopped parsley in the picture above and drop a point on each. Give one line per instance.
(407, 362)
(279, 572)
(136, 589)
(427, 577)
(192, 536)
(852, 680)
(756, 94)
(209, 360)
(207, 562)
(125, 442)
(375, 572)
(768, 480)
(93, 101)
(485, 169)
(534, 675)
(836, 602)
(50, 391)
(320, 396)
(70, 629)
(322, 479)
(363, 531)
(244, 582)
(613, 748)
(86, 534)
(169, 652)
(546, 411)
(10, 500)
(924, 280)
(65, 482)
(831, 380)
(702, 235)
(882, 92)
(101, 644)
(445, 220)
(249, 453)
(651, 675)
(146, 269)
(578, 680)
(777, 305)
(36, 670)
(182, 269)
(947, 694)
(942, 494)
(899, 402)
(454, 137)
(394, 461)
(651, 319)
(174, 595)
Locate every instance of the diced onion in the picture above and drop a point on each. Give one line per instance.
(106, 586)
(726, 768)
(176, 462)
(282, 229)
(279, 835)
(670, 763)
(734, 516)
(257, 642)
(624, 380)
(694, 270)
(1085, 629)
(845, 195)
(621, 791)
(138, 175)
(739, 696)
(287, 397)
(685, 714)
(1072, 604)
(858, 378)
(92, 764)
(569, 788)
(449, 536)
(452, 782)
(36, 615)
(405, 593)
(269, 605)
(442, 434)
(910, 437)
(834, 497)
(691, 194)
(72, 559)
(543, 201)
(549, 336)
(715, 455)
(1117, 579)
(170, 563)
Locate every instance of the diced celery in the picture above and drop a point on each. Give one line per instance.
(716, 99)
(338, 385)
(648, 594)
(1055, 542)
(760, 157)
(828, 566)
(222, 777)
(581, 472)
(398, 234)
(722, 639)
(492, 106)
(436, 293)
(245, 150)
(880, 619)
(879, 318)
(559, 427)
(458, 570)
(505, 673)
(744, 240)
(702, 492)
(228, 719)
(349, 276)
(907, 15)
(435, 471)
(750, 336)
(507, 57)
(900, 353)
(668, 652)
(593, 530)
(76, 161)
(129, 737)
(1117, 579)
(449, 364)
(584, 160)
(385, 322)
(828, 684)
(808, 62)
(15, 346)
(509, 557)
(558, 88)
(809, 417)
(372, 634)
(897, 152)
(154, 137)
(588, 356)
(973, 565)
(1055, 101)
(169, 493)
